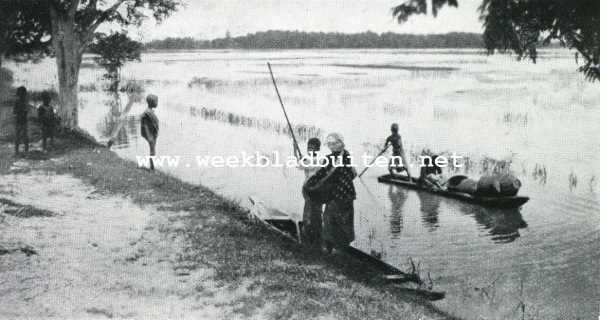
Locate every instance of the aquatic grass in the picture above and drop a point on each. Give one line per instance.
(445, 114)
(206, 83)
(302, 131)
(133, 87)
(398, 67)
(403, 110)
(513, 119)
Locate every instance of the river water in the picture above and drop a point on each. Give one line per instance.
(542, 118)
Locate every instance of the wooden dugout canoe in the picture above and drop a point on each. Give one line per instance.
(496, 202)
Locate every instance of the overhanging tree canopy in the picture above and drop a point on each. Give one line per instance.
(23, 31)
(523, 25)
(71, 26)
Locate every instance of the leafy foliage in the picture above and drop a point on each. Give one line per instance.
(24, 28)
(25, 25)
(306, 40)
(71, 26)
(524, 25)
(113, 51)
(92, 13)
(411, 7)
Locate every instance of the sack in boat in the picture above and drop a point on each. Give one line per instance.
(462, 184)
(505, 185)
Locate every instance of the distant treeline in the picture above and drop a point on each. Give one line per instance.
(321, 40)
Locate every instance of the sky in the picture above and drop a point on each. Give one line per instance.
(209, 19)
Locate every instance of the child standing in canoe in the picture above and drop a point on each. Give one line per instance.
(313, 207)
(395, 140)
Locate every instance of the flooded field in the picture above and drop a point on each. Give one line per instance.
(542, 259)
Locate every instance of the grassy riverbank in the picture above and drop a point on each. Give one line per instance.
(264, 275)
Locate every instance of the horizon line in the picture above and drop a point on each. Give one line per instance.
(324, 32)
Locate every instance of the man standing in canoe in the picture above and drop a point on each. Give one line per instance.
(149, 126)
(396, 166)
(313, 207)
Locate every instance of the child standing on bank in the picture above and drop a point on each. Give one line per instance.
(149, 126)
(21, 111)
(47, 119)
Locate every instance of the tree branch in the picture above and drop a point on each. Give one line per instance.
(104, 16)
(88, 34)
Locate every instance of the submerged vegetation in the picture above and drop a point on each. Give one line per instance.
(209, 83)
(304, 132)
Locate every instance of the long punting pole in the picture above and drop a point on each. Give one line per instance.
(367, 167)
(296, 147)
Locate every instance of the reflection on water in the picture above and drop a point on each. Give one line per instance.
(397, 197)
(502, 224)
(128, 132)
(112, 117)
(430, 206)
(118, 125)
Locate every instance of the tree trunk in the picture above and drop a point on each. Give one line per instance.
(2, 51)
(67, 48)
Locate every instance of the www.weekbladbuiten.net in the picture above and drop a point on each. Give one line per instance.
(276, 160)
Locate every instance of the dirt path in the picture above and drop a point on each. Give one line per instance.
(87, 255)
